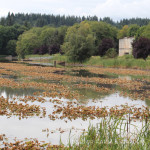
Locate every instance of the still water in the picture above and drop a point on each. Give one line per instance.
(58, 130)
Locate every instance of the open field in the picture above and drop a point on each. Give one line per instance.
(46, 106)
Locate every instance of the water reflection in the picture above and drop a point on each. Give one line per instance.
(8, 92)
(86, 73)
(147, 102)
(40, 64)
(89, 94)
(33, 127)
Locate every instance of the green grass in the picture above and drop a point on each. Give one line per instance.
(2, 57)
(36, 55)
(126, 61)
(113, 134)
(60, 58)
(120, 62)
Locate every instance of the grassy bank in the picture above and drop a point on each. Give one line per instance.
(36, 55)
(2, 58)
(118, 62)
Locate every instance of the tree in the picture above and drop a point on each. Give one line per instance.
(27, 42)
(53, 49)
(43, 50)
(48, 35)
(10, 19)
(141, 48)
(11, 47)
(105, 45)
(139, 32)
(123, 32)
(132, 30)
(79, 42)
(8, 33)
(146, 32)
(101, 31)
(111, 53)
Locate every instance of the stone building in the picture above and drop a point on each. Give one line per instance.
(125, 46)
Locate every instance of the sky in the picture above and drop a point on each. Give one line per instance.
(115, 9)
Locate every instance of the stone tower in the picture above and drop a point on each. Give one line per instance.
(125, 46)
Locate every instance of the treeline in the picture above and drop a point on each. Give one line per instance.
(79, 41)
(40, 20)
(8, 38)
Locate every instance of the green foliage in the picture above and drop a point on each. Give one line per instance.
(101, 31)
(40, 20)
(132, 31)
(111, 53)
(120, 62)
(123, 32)
(146, 32)
(79, 42)
(11, 47)
(112, 134)
(8, 33)
(27, 42)
(139, 32)
(37, 37)
(47, 35)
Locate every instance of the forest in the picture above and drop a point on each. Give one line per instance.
(77, 37)
(40, 20)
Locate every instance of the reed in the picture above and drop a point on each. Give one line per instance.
(114, 134)
(119, 62)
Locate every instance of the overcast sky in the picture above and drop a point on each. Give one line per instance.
(116, 9)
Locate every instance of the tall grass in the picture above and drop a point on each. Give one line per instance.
(60, 58)
(113, 134)
(126, 61)
(36, 55)
(120, 62)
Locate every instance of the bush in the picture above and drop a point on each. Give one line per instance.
(53, 49)
(11, 47)
(141, 48)
(111, 53)
(105, 45)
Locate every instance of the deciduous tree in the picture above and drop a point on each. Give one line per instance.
(105, 45)
(123, 32)
(141, 48)
(79, 42)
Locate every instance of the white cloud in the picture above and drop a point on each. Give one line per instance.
(4, 12)
(115, 9)
(123, 9)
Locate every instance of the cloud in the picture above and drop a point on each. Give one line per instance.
(118, 9)
(4, 12)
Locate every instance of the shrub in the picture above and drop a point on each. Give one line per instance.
(53, 49)
(141, 48)
(36, 51)
(105, 45)
(111, 53)
(43, 50)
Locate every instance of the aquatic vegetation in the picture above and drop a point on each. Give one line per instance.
(113, 134)
(10, 107)
(64, 95)
(73, 111)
